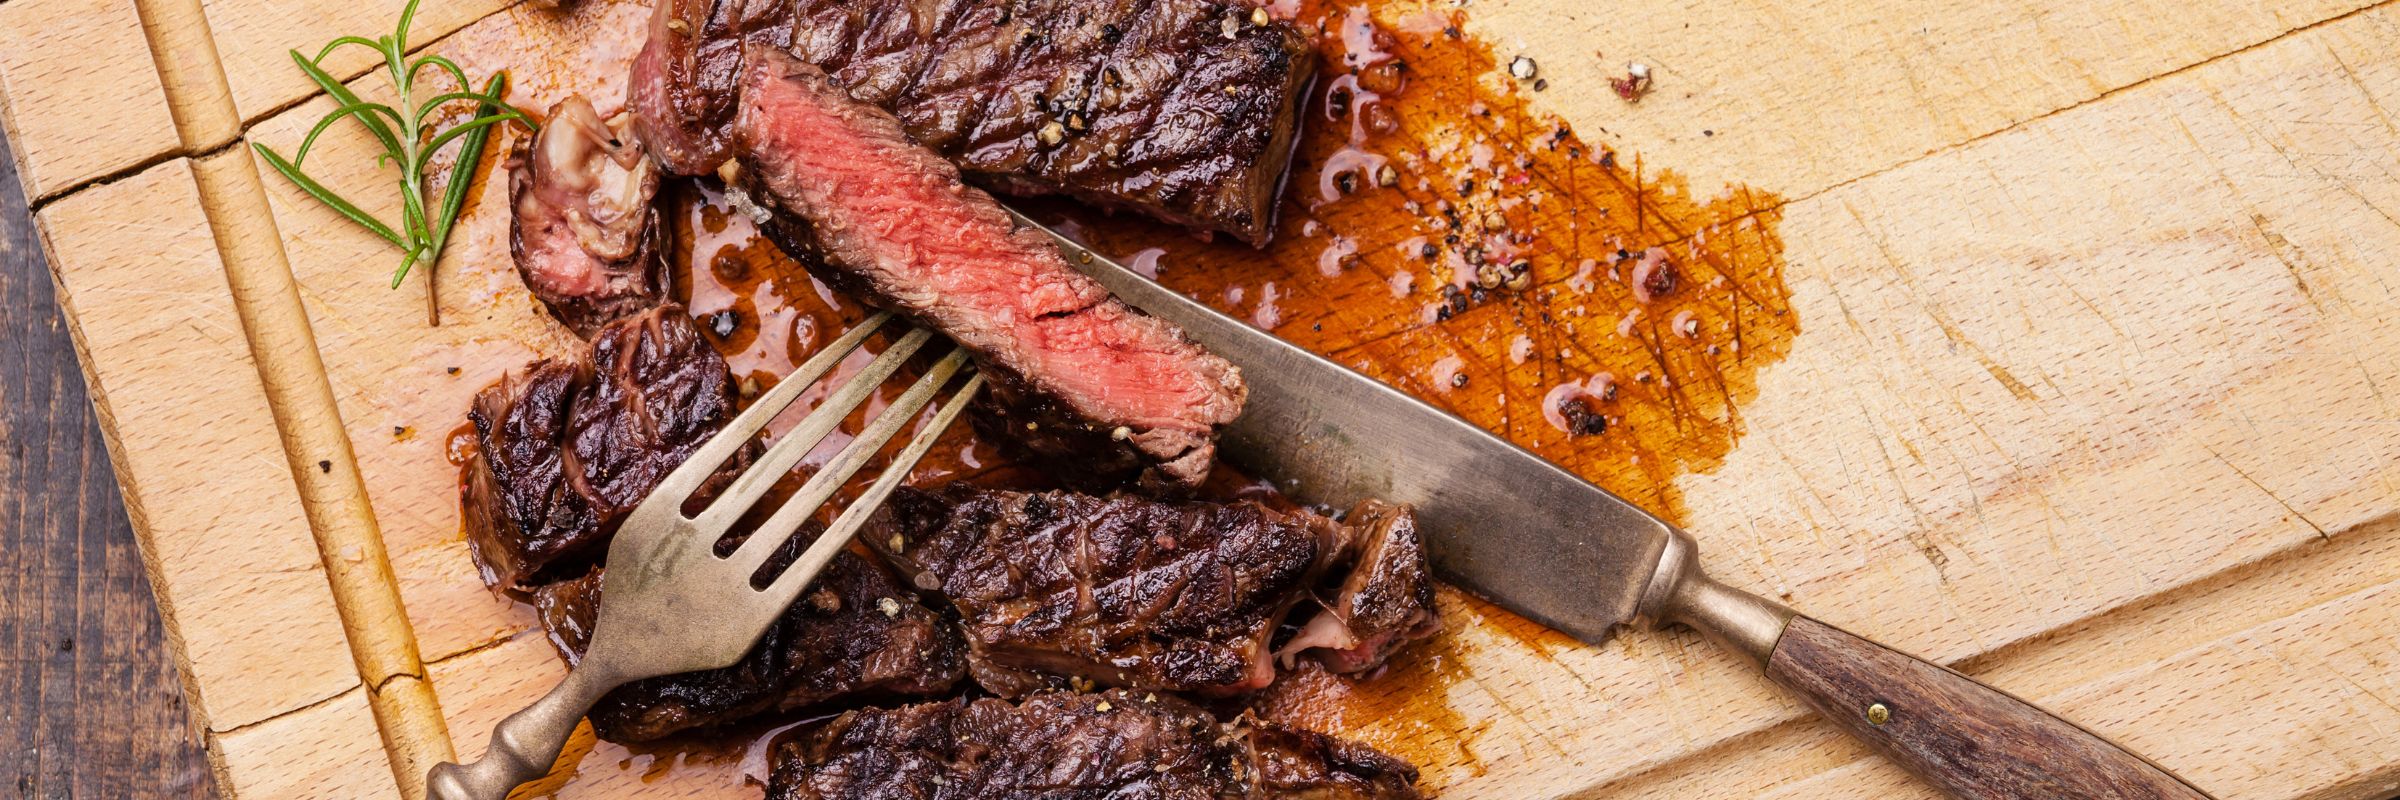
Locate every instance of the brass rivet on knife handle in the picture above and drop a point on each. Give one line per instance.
(292, 372)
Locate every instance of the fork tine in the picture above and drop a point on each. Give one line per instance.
(685, 479)
(788, 585)
(804, 437)
(820, 487)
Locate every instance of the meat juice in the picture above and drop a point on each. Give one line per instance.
(1438, 232)
(1441, 233)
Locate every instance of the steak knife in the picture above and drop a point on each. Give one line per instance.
(1508, 526)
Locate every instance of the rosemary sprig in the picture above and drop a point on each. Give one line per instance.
(407, 143)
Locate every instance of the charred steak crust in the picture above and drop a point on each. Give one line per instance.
(1058, 587)
(685, 78)
(565, 448)
(583, 230)
(858, 634)
(1384, 600)
(1116, 744)
(1085, 381)
(1184, 110)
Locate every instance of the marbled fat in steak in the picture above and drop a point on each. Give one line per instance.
(584, 230)
(1384, 599)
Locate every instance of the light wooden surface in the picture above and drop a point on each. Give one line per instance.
(2090, 395)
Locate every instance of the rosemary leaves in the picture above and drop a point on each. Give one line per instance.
(408, 144)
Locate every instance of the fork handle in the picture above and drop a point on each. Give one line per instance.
(525, 744)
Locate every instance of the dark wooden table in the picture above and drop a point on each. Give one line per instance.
(90, 706)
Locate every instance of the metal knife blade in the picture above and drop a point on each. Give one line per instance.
(1504, 524)
(1498, 521)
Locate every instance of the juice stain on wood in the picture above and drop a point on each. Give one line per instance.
(1441, 234)
(1438, 233)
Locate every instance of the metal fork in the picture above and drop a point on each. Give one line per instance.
(669, 602)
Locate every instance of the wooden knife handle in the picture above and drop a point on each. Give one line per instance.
(1971, 740)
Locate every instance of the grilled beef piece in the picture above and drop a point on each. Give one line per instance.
(567, 447)
(1065, 746)
(1184, 110)
(1385, 599)
(1100, 390)
(584, 234)
(686, 77)
(1056, 587)
(858, 633)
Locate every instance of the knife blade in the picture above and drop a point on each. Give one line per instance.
(1509, 526)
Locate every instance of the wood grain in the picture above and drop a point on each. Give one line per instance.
(1969, 740)
(2179, 515)
(94, 704)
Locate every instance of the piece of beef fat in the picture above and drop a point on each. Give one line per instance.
(1101, 391)
(584, 232)
(856, 634)
(1069, 746)
(1385, 598)
(1183, 110)
(1059, 589)
(565, 448)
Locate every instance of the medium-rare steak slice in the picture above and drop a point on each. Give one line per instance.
(567, 447)
(858, 633)
(1385, 599)
(584, 232)
(1184, 110)
(1067, 746)
(1058, 588)
(1098, 389)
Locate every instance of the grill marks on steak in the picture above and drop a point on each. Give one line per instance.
(567, 447)
(1385, 598)
(1079, 377)
(584, 232)
(1117, 744)
(1180, 109)
(1054, 587)
(858, 633)
(686, 77)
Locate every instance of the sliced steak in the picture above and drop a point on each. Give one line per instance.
(1117, 744)
(566, 448)
(858, 634)
(1184, 110)
(1100, 390)
(585, 234)
(686, 78)
(1385, 599)
(1057, 589)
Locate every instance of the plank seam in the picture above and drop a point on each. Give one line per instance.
(299, 393)
(1980, 665)
(2013, 126)
(137, 515)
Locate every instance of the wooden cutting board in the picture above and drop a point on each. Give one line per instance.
(2098, 317)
